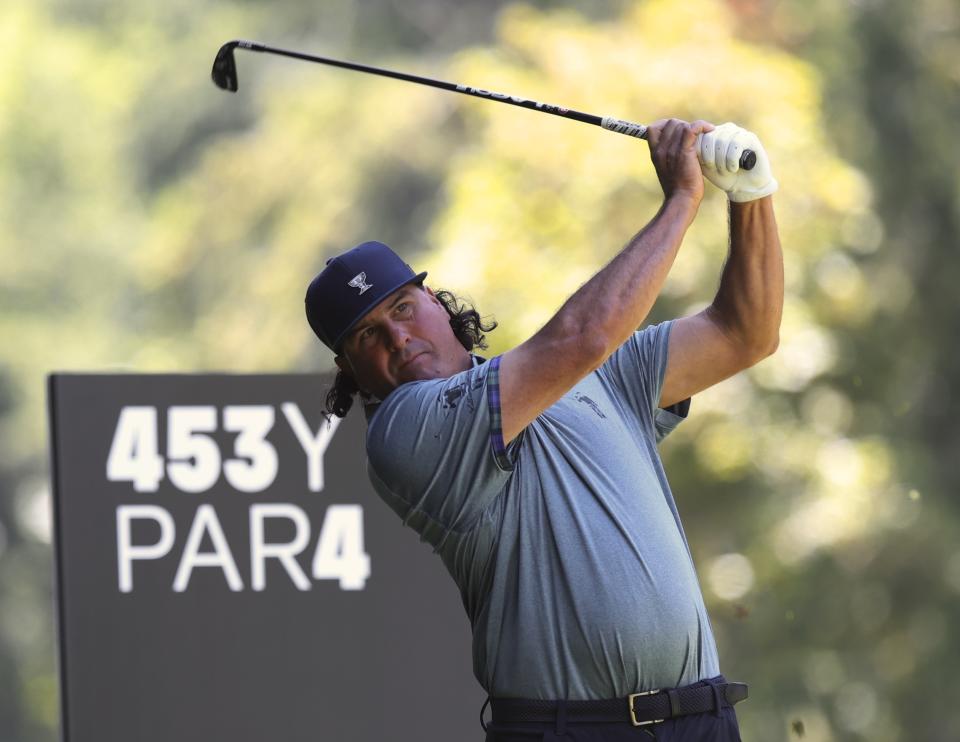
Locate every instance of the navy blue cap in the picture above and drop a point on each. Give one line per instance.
(350, 286)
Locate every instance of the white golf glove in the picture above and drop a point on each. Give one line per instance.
(719, 154)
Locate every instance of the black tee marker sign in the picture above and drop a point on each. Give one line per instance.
(225, 570)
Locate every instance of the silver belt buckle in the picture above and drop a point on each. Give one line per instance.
(633, 716)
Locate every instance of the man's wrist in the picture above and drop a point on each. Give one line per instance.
(746, 206)
(679, 202)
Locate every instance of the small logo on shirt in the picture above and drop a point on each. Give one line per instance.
(586, 400)
(359, 281)
(452, 396)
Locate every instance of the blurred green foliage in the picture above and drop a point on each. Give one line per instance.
(155, 223)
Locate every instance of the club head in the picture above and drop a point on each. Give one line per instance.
(224, 72)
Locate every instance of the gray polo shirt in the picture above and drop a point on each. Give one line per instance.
(566, 545)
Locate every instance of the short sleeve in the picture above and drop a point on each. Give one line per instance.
(636, 370)
(435, 451)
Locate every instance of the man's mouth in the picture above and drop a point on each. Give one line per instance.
(411, 359)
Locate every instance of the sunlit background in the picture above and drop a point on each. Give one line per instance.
(154, 223)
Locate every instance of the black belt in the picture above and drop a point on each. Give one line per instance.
(647, 707)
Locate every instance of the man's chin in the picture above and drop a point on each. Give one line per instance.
(420, 368)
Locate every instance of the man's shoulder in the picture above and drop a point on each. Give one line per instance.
(430, 440)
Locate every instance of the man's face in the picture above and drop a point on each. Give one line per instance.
(406, 337)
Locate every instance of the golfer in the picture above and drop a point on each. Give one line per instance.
(535, 474)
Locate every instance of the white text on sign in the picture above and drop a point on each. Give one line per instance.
(338, 553)
(193, 463)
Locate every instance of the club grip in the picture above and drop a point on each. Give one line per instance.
(748, 158)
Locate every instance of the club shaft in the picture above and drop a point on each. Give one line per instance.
(587, 118)
(609, 123)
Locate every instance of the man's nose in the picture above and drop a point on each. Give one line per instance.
(397, 335)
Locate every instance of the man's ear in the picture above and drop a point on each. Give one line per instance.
(433, 297)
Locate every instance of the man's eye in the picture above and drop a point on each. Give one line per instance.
(403, 307)
(365, 333)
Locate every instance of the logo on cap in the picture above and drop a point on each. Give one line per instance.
(359, 281)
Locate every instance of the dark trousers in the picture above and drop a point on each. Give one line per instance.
(707, 727)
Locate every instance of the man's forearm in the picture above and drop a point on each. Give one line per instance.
(749, 302)
(612, 304)
(603, 312)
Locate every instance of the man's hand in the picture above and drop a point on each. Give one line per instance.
(674, 154)
(719, 153)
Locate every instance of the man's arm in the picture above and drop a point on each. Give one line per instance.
(741, 327)
(606, 310)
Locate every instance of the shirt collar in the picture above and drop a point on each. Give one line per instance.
(370, 408)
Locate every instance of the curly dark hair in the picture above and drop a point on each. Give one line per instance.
(467, 325)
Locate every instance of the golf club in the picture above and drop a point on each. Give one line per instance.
(225, 76)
